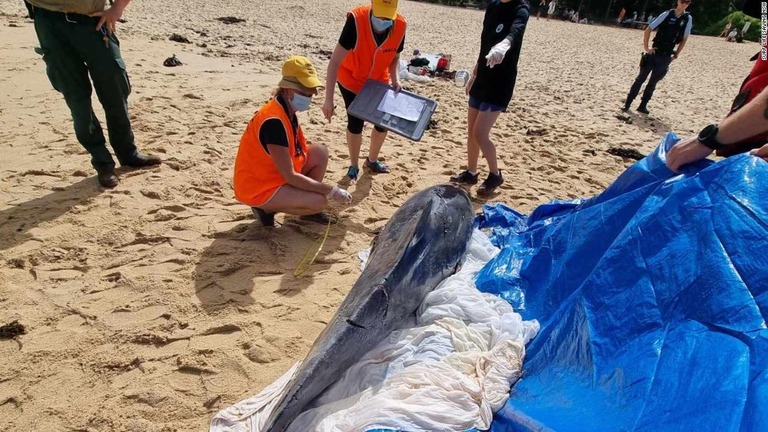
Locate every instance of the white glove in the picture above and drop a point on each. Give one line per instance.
(340, 195)
(496, 54)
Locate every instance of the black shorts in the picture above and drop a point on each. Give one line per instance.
(354, 124)
(493, 87)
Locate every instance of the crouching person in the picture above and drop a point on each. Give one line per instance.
(275, 169)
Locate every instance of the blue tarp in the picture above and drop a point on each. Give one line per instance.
(652, 298)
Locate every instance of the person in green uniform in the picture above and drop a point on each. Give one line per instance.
(77, 39)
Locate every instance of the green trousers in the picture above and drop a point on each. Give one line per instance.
(73, 50)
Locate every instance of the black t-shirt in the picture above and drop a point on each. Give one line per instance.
(504, 20)
(273, 132)
(348, 38)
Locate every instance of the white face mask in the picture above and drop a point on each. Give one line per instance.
(300, 102)
(380, 24)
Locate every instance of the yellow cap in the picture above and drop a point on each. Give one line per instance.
(298, 71)
(384, 8)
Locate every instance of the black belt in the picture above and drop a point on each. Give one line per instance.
(74, 18)
(663, 53)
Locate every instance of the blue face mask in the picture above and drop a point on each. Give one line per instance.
(300, 102)
(379, 24)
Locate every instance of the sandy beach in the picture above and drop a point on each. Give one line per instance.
(151, 306)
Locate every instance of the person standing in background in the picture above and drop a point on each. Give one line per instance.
(78, 42)
(552, 9)
(672, 30)
(542, 8)
(491, 87)
(727, 29)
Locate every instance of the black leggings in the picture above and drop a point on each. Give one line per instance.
(354, 124)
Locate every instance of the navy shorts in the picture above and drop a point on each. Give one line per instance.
(483, 106)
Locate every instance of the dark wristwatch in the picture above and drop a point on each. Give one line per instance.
(708, 137)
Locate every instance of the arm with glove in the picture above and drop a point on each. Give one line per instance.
(282, 159)
(339, 195)
(498, 52)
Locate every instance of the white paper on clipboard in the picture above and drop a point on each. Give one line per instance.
(402, 105)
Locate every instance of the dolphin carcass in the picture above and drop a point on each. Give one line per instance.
(422, 244)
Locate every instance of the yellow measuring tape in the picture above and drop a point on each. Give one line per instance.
(305, 264)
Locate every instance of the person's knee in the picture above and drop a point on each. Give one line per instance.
(317, 202)
(318, 153)
(479, 135)
(354, 125)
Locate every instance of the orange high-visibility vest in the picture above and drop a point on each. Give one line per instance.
(256, 177)
(367, 60)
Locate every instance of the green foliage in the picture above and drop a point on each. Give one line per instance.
(739, 19)
(706, 13)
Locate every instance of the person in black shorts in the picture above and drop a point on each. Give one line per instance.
(491, 86)
(369, 48)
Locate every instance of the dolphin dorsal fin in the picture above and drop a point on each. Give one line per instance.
(374, 311)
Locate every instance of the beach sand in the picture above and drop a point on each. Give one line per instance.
(151, 306)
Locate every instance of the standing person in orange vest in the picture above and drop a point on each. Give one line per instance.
(275, 169)
(369, 48)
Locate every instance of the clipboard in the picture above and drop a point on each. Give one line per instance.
(366, 106)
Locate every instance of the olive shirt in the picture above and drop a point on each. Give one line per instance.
(83, 7)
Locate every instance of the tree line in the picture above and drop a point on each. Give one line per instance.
(706, 13)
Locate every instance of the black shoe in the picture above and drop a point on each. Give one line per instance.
(321, 218)
(266, 219)
(142, 160)
(465, 177)
(108, 179)
(490, 184)
(627, 103)
(643, 109)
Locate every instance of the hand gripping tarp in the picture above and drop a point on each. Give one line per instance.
(652, 298)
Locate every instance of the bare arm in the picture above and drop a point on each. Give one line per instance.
(749, 121)
(688, 28)
(393, 76)
(281, 156)
(471, 81)
(338, 56)
(647, 37)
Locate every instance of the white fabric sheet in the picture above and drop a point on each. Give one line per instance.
(449, 372)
